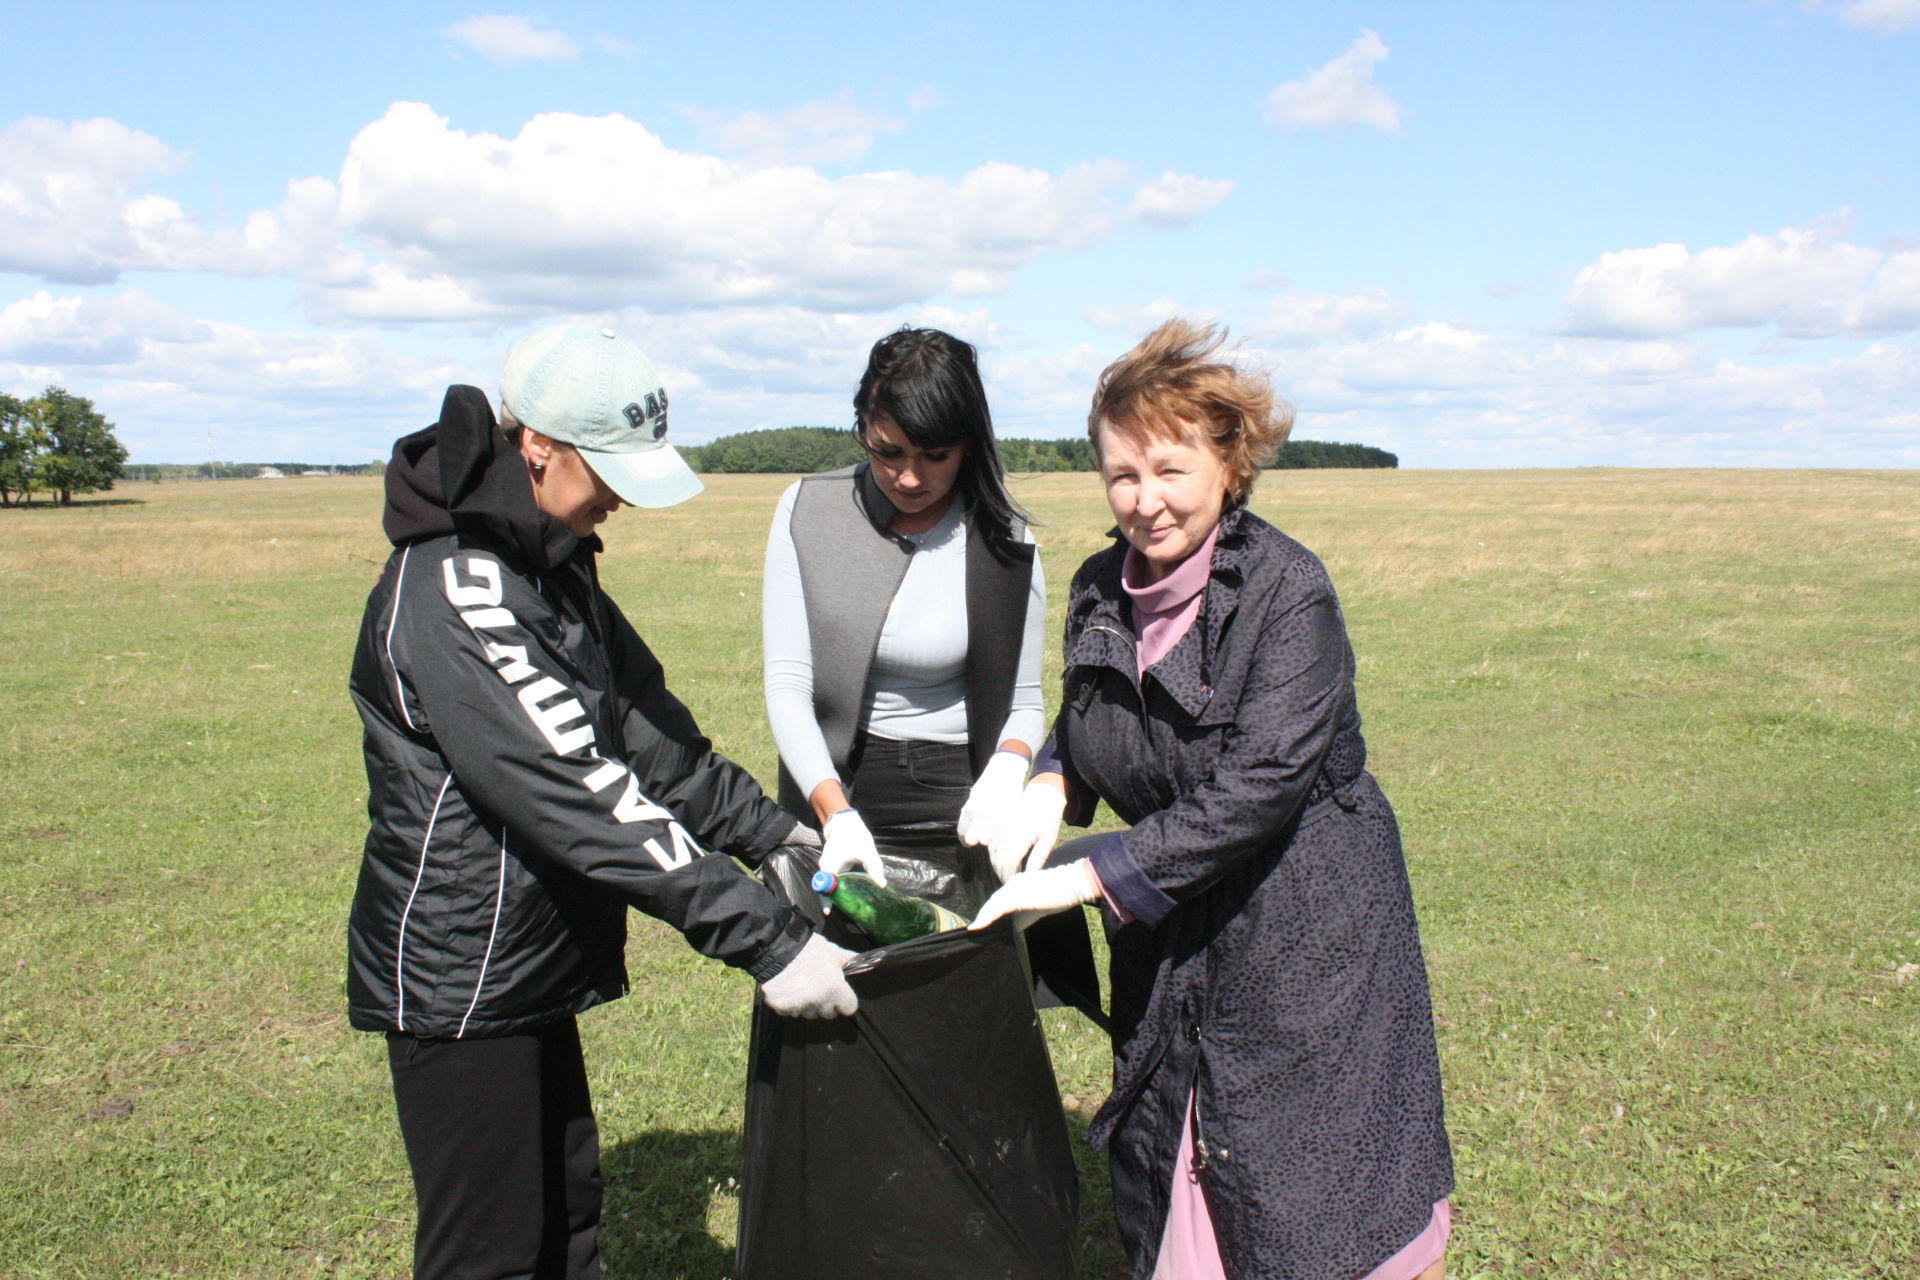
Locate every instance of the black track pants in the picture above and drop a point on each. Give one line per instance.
(505, 1155)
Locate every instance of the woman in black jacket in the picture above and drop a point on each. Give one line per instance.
(1276, 1106)
(529, 778)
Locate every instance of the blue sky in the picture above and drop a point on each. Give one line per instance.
(1475, 234)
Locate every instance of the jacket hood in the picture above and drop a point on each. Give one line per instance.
(461, 476)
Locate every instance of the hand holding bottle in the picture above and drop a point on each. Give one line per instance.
(848, 843)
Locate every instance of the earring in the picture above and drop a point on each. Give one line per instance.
(539, 469)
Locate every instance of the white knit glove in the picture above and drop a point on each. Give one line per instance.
(848, 843)
(1032, 894)
(1025, 836)
(996, 792)
(812, 985)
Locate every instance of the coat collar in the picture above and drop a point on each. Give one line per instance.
(1106, 637)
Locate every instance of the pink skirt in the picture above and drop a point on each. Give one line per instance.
(1189, 1251)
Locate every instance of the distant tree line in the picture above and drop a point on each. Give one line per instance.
(787, 449)
(57, 444)
(804, 450)
(1298, 454)
(157, 471)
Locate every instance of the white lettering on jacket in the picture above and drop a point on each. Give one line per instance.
(473, 588)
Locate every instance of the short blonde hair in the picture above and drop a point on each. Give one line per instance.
(1170, 381)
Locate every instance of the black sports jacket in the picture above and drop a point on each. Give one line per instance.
(529, 775)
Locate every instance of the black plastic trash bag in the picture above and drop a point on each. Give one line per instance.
(922, 1137)
(928, 861)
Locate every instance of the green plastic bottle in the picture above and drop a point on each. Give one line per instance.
(882, 914)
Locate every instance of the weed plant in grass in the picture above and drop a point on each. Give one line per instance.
(1651, 736)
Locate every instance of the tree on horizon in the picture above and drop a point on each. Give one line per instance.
(56, 443)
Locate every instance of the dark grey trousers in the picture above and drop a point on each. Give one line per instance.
(505, 1155)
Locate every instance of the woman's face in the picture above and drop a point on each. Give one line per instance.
(564, 486)
(913, 479)
(1165, 494)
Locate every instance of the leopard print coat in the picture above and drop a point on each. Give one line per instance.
(1272, 968)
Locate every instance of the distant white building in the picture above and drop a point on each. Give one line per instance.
(270, 473)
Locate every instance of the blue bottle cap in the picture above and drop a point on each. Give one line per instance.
(824, 881)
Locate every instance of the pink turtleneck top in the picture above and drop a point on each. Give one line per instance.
(1163, 611)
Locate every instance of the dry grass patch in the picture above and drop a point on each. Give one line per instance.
(1651, 736)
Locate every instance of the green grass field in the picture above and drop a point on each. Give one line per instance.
(1651, 735)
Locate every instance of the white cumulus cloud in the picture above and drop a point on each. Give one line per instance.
(595, 212)
(1809, 281)
(1135, 321)
(506, 38)
(1175, 199)
(1299, 318)
(73, 211)
(1442, 394)
(71, 205)
(134, 336)
(744, 368)
(46, 329)
(1339, 95)
(833, 130)
(1883, 16)
(426, 222)
(1437, 393)
(164, 377)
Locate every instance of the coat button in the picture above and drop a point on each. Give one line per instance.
(1193, 1033)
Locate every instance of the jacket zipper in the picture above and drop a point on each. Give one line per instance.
(1202, 1153)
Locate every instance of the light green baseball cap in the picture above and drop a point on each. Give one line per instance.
(598, 392)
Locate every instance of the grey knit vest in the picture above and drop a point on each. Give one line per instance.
(850, 568)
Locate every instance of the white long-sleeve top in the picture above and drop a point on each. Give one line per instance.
(918, 682)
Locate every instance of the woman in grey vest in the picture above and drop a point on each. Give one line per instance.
(902, 624)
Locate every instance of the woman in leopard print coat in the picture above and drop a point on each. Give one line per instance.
(1276, 1107)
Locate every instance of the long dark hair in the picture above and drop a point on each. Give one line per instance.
(928, 383)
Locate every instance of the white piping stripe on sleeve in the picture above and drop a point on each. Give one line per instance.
(499, 896)
(400, 944)
(399, 689)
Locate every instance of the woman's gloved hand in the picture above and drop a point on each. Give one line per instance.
(812, 985)
(995, 794)
(1032, 894)
(848, 843)
(1026, 835)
